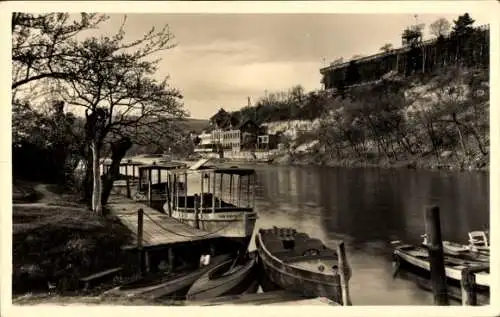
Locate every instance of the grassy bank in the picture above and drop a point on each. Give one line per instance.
(56, 241)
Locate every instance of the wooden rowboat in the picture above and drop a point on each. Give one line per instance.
(225, 279)
(298, 263)
(169, 285)
(418, 257)
(474, 250)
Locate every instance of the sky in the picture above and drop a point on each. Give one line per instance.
(222, 59)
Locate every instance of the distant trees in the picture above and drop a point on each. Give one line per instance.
(463, 45)
(412, 35)
(386, 47)
(440, 27)
(337, 61)
(463, 25)
(293, 104)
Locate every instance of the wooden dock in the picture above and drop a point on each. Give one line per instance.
(158, 229)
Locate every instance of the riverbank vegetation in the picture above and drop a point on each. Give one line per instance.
(56, 241)
(437, 120)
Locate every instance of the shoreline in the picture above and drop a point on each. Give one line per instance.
(420, 164)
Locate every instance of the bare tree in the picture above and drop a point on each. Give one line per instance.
(440, 27)
(41, 44)
(119, 94)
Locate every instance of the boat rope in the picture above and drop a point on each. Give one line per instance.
(189, 236)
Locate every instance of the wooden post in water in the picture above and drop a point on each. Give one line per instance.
(436, 258)
(468, 283)
(140, 221)
(345, 274)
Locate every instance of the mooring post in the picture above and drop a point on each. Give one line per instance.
(468, 287)
(196, 211)
(140, 221)
(150, 193)
(169, 199)
(129, 195)
(345, 274)
(436, 258)
(468, 283)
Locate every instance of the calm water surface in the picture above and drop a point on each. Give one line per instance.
(368, 208)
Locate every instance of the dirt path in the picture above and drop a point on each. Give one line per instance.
(43, 197)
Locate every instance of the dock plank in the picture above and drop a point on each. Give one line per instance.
(158, 229)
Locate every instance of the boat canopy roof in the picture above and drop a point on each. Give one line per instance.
(129, 162)
(229, 170)
(235, 171)
(163, 166)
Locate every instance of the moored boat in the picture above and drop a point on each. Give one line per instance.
(468, 252)
(416, 258)
(177, 284)
(216, 200)
(298, 263)
(227, 278)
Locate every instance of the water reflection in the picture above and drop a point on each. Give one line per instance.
(367, 208)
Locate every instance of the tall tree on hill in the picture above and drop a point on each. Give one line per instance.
(461, 35)
(440, 27)
(413, 35)
(121, 99)
(221, 119)
(463, 25)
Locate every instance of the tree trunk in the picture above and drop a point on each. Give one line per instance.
(460, 136)
(476, 136)
(96, 175)
(87, 181)
(118, 151)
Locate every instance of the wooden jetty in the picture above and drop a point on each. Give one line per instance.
(158, 229)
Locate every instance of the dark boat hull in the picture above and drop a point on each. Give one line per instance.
(176, 286)
(292, 279)
(406, 260)
(239, 281)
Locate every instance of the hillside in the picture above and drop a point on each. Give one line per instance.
(194, 125)
(440, 120)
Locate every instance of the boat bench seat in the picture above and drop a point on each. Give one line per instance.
(275, 246)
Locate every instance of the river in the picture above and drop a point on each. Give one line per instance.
(367, 208)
